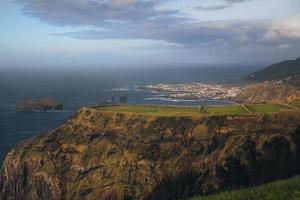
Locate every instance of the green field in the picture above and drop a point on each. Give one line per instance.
(193, 110)
(295, 103)
(265, 107)
(229, 109)
(281, 190)
(155, 109)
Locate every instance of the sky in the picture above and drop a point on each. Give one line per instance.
(147, 32)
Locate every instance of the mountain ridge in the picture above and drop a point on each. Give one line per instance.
(277, 71)
(279, 82)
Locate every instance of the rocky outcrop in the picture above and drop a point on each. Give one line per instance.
(106, 155)
(38, 105)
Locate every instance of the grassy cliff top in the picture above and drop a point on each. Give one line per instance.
(236, 109)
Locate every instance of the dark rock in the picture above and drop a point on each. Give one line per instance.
(38, 105)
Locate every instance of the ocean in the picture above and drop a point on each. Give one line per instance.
(86, 87)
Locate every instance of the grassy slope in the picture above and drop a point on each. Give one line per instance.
(295, 103)
(236, 109)
(264, 108)
(193, 111)
(280, 190)
(277, 71)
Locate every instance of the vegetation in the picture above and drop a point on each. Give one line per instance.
(280, 190)
(265, 107)
(279, 91)
(154, 109)
(277, 71)
(107, 155)
(236, 109)
(194, 110)
(295, 103)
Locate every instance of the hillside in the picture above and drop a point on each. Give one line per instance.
(269, 91)
(277, 83)
(279, 71)
(110, 154)
(280, 190)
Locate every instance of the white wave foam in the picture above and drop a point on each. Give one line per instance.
(170, 99)
(124, 89)
(121, 89)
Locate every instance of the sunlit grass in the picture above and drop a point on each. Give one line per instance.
(229, 109)
(265, 107)
(155, 109)
(161, 110)
(280, 190)
(295, 103)
(176, 110)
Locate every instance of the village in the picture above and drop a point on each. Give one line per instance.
(196, 90)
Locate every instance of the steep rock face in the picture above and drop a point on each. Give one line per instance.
(102, 155)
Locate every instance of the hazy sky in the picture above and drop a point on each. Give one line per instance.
(147, 32)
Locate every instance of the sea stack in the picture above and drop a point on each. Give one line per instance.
(38, 105)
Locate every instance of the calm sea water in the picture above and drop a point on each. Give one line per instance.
(77, 88)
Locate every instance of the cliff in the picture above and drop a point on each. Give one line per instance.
(38, 105)
(108, 155)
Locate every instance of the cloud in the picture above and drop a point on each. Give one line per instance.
(236, 1)
(144, 19)
(185, 34)
(122, 3)
(280, 31)
(270, 36)
(285, 46)
(92, 12)
(287, 27)
(228, 4)
(212, 8)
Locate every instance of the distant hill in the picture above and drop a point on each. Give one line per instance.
(275, 91)
(278, 82)
(282, 70)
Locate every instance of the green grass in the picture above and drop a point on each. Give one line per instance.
(154, 109)
(295, 103)
(229, 109)
(280, 190)
(265, 107)
(176, 110)
(194, 110)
